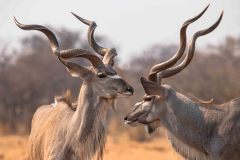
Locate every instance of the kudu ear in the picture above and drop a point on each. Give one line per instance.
(153, 88)
(76, 70)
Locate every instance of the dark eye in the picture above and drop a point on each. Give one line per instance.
(148, 98)
(101, 75)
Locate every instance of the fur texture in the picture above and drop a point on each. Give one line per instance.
(81, 135)
(200, 133)
(197, 131)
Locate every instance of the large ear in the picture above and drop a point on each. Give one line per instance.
(153, 88)
(76, 70)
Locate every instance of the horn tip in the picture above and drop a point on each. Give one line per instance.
(73, 14)
(16, 22)
(221, 15)
(222, 12)
(206, 7)
(87, 22)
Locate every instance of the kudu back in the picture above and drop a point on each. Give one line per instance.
(58, 131)
(196, 129)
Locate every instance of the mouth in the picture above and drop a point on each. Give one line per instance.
(132, 123)
(124, 94)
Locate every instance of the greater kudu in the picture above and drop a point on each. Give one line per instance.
(60, 133)
(197, 130)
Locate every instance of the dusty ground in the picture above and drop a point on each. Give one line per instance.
(13, 147)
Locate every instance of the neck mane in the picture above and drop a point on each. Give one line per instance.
(90, 120)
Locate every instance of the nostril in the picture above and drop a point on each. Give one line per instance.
(129, 89)
(125, 118)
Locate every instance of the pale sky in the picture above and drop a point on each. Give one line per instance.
(133, 25)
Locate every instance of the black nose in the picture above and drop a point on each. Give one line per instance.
(125, 118)
(130, 89)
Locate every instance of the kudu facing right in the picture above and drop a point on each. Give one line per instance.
(197, 130)
(60, 133)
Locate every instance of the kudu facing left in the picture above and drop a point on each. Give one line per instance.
(60, 133)
(197, 130)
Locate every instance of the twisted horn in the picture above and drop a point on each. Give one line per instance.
(108, 58)
(107, 53)
(92, 26)
(191, 48)
(169, 63)
(65, 54)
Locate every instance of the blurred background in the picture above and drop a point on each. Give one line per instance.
(143, 32)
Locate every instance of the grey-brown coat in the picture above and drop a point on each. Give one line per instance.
(61, 132)
(196, 129)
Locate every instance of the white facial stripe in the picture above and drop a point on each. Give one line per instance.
(115, 77)
(138, 103)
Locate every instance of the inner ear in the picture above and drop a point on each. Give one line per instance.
(78, 71)
(152, 88)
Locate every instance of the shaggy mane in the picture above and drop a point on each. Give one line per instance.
(67, 98)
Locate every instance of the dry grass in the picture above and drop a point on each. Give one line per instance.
(13, 147)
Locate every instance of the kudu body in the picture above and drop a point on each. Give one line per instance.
(61, 133)
(197, 130)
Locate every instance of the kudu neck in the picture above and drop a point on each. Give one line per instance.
(87, 97)
(185, 120)
(91, 119)
(91, 111)
(181, 110)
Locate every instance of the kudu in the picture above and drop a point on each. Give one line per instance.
(61, 133)
(197, 130)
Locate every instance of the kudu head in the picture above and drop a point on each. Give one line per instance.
(101, 76)
(153, 106)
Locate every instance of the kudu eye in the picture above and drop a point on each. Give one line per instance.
(101, 75)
